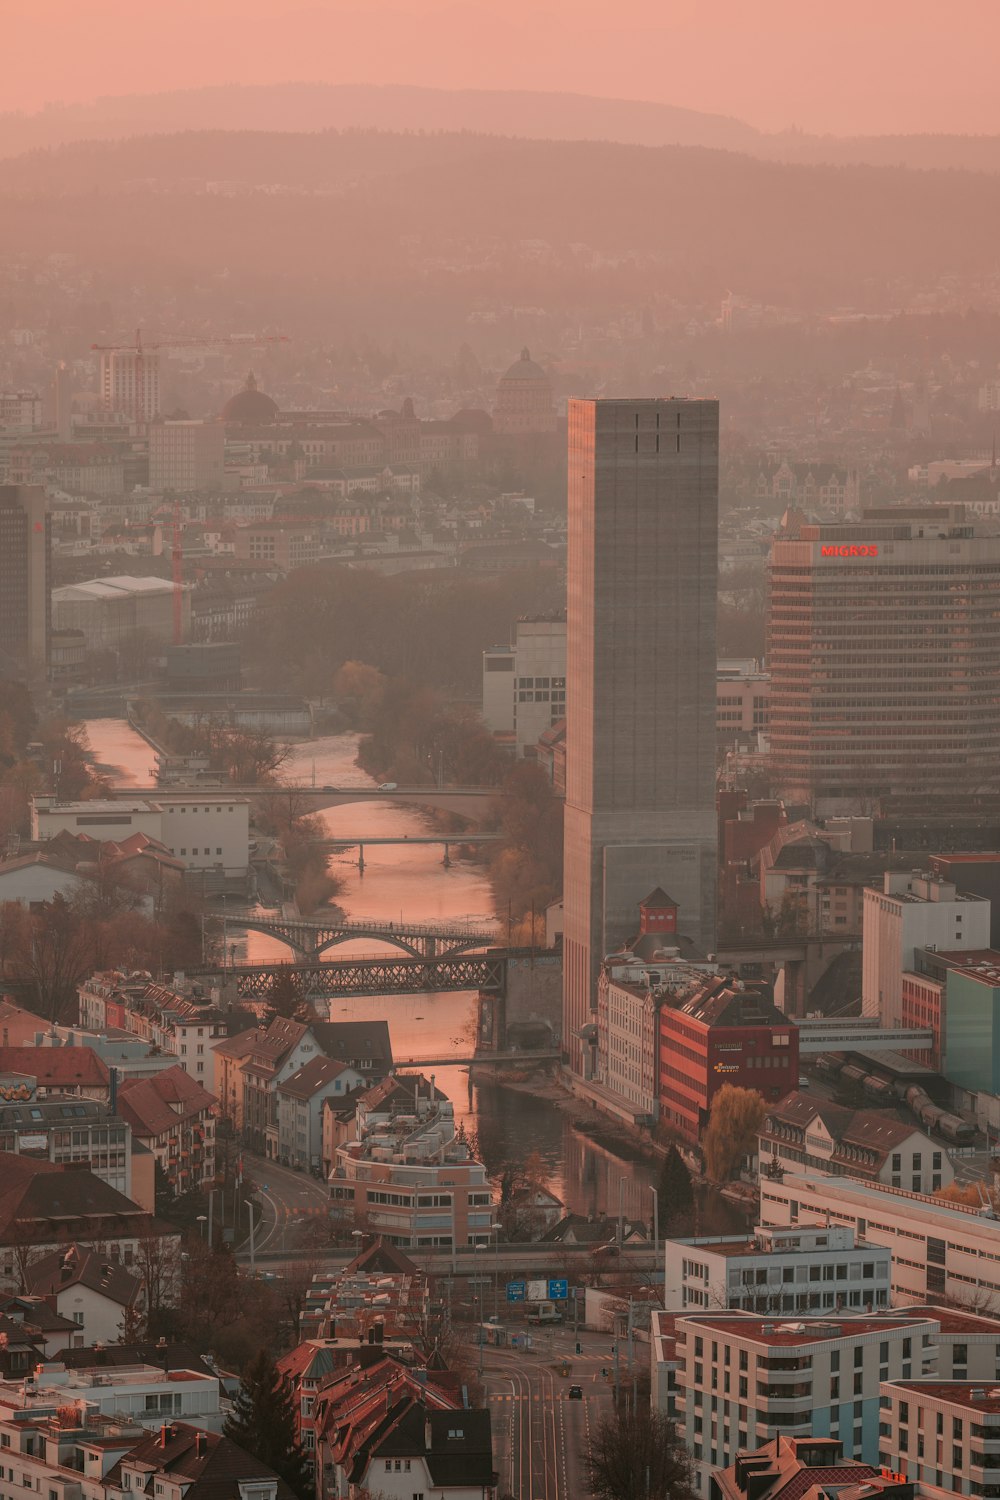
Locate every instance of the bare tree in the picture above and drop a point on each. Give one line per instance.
(638, 1454)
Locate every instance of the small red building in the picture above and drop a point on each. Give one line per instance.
(729, 1032)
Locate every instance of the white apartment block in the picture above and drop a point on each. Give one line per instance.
(524, 685)
(939, 1249)
(942, 1434)
(912, 910)
(802, 1270)
(742, 1379)
(144, 1394)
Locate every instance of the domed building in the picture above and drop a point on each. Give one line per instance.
(250, 407)
(524, 401)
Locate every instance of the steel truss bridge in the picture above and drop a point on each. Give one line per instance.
(310, 938)
(368, 976)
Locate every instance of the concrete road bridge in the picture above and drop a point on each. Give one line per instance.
(473, 802)
(446, 842)
(310, 937)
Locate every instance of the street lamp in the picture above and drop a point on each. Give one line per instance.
(202, 1220)
(482, 1300)
(656, 1223)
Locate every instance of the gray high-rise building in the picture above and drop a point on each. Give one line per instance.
(25, 581)
(640, 682)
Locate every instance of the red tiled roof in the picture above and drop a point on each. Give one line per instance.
(57, 1067)
(148, 1103)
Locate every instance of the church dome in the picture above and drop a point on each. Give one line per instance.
(525, 369)
(250, 407)
(524, 400)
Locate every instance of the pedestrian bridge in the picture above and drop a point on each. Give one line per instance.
(840, 1035)
(311, 937)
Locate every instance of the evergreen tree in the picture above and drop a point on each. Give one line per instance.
(676, 1194)
(262, 1421)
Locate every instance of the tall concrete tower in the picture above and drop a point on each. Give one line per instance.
(25, 581)
(640, 682)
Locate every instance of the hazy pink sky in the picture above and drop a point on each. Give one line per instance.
(838, 65)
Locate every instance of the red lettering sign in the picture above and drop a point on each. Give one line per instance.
(843, 550)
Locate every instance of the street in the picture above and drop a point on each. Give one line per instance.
(290, 1199)
(542, 1438)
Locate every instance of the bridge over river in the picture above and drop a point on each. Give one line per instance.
(343, 978)
(310, 937)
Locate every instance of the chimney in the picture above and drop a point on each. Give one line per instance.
(433, 1090)
(428, 1440)
(200, 1444)
(164, 1434)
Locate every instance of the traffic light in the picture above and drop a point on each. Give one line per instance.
(579, 1347)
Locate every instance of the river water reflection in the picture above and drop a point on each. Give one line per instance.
(412, 883)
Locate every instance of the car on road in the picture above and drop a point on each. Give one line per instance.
(575, 1393)
(329, 788)
(387, 786)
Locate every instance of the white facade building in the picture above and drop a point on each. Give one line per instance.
(524, 685)
(939, 1249)
(741, 1379)
(798, 1270)
(207, 832)
(942, 1434)
(912, 910)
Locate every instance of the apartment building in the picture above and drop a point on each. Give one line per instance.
(743, 1379)
(867, 1144)
(95, 1294)
(410, 1178)
(174, 1117)
(939, 1249)
(802, 1270)
(185, 1026)
(943, 1433)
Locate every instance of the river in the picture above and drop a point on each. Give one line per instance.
(412, 883)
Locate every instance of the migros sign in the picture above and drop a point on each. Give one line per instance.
(842, 550)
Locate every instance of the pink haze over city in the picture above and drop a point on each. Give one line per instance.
(850, 68)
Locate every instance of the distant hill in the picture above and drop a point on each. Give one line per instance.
(530, 115)
(366, 231)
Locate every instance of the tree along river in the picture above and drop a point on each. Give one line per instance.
(412, 884)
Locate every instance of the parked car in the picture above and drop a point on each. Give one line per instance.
(388, 786)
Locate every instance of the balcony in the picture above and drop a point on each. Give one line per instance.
(786, 1393)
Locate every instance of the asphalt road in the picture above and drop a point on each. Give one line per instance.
(541, 1438)
(290, 1199)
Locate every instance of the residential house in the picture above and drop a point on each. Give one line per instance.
(185, 1462)
(99, 1295)
(807, 1468)
(301, 1099)
(866, 1144)
(276, 1052)
(46, 1207)
(384, 1431)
